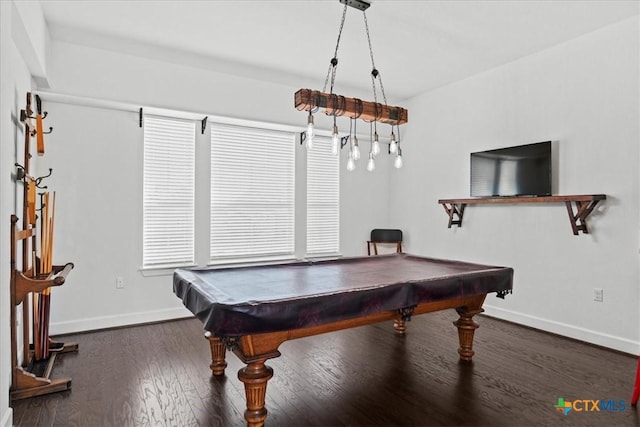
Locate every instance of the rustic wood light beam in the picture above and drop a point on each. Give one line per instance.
(354, 108)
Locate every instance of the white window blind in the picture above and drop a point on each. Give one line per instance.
(323, 199)
(252, 193)
(168, 193)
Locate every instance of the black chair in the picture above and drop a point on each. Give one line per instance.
(384, 235)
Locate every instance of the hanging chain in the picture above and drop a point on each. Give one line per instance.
(334, 61)
(374, 72)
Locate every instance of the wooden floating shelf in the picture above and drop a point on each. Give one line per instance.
(584, 206)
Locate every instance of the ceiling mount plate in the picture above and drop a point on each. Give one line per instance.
(358, 4)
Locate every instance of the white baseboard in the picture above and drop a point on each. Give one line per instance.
(7, 418)
(93, 323)
(598, 338)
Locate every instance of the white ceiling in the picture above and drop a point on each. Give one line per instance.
(417, 45)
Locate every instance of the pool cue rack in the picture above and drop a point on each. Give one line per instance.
(33, 275)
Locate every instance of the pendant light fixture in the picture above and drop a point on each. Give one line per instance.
(355, 109)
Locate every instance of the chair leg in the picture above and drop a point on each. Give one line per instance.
(369, 248)
(375, 248)
(636, 388)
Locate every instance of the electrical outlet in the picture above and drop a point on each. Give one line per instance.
(597, 294)
(119, 282)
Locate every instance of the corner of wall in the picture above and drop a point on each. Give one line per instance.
(31, 36)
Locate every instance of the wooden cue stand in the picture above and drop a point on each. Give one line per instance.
(32, 377)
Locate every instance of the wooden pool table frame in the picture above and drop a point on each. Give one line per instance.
(255, 349)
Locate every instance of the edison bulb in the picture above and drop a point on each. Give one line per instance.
(335, 139)
(351, 164)
(310, 131)
(393, 144)
(397, 163)
(356, 149)
(375, 145)
(371, 164)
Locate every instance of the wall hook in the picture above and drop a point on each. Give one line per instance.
(42, 205)
(38, 180)
(20, 173)
(34, 132)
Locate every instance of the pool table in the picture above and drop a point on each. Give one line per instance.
(252, 310)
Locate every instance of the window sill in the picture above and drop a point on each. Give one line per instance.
(322, 257)
(249, 262)
(164, 270)
(167, 270)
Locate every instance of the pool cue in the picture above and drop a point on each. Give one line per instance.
(35, 307)
(43, 233)
(46, 294)
(39, 134)
(44, 249)
(37, 335)
(36, 325)
(31, 201)
(31, 216)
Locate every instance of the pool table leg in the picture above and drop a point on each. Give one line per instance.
(402, 316)
(466, 329)
(218, 352)
(255, 376)
(400, 326)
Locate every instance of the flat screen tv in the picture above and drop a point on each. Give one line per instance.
(523, 170)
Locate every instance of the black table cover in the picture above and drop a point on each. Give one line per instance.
(248, 300)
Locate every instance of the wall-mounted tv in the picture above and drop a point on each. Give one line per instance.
(523, 170)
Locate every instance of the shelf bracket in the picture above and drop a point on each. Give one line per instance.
(578, 220)
(454, 211)
(203, 125)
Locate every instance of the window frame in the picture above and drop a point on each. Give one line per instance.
(188, 257)
(320, 194)
(254, 133)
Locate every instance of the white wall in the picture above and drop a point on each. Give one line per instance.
(31, 36)
(96, 155)
(17, 67)
(583, 94)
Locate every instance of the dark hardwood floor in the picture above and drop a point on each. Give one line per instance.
(158, 375)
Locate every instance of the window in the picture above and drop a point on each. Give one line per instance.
(323, 199)
(252, 193)
(168, 192)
